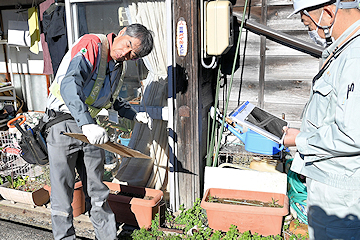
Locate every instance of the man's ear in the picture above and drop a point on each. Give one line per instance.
(329, 14)
(122, 31)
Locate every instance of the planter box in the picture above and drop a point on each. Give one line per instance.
(133, 210)
(36, 198)
(263, 220)
(78, 203)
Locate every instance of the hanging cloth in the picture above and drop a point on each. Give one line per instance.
(46, 54)
(54, 28)
(34, 30)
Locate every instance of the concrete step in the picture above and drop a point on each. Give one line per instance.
(40, 216)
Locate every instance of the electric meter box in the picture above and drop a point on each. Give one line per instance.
(219, 27)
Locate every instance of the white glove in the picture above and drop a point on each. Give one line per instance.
(95, 134)
(143, 117)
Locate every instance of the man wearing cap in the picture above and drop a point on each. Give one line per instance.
(328, 142)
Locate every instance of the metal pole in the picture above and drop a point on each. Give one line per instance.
(262, 56)
(173, 174)
(280, 37)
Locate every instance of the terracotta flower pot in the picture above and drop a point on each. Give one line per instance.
(132, 210)
(78, 203)
(263, 220)
(36, 198)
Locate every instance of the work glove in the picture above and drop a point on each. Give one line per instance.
(143, 117)
(95, 134)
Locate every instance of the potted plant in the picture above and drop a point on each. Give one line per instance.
(23, 190)
(132, 205)
(125, 127)
(120, 132)
(260, 212)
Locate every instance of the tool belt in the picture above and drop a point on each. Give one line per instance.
(33, 143)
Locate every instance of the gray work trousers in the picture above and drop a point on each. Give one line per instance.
(66, 154)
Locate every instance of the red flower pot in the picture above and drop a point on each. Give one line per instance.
(263, 220)
(135, 211)
(78, 203)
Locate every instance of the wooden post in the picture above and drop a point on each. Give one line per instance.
(193, 98)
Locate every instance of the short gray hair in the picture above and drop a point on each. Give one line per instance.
(140, 32)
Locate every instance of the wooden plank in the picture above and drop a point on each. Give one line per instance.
(111, 147)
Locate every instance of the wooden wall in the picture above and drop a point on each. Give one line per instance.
(288, 72)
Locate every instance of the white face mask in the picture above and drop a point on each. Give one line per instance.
(314, 35)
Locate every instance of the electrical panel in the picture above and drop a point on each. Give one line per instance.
(219, 27)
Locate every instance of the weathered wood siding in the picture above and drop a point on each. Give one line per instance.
(288, 72)
(194, 96)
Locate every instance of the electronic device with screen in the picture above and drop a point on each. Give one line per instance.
(260, 121)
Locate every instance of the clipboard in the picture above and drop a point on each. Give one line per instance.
(260, 121)
(111, 147)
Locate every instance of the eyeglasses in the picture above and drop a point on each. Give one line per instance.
(305, 12)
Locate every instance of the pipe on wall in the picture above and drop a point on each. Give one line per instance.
(282, 38)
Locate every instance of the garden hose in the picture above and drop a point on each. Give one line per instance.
(297, 194)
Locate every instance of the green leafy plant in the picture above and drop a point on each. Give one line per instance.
(123, 128)
(17, 182)
(274, 203)
(212, 198)
(292, 234)
(193, 218)
(297, 223)
(25, 183)
(125, 125)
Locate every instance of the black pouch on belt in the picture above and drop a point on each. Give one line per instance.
(33, 143)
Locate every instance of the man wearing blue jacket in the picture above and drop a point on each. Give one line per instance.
(89, 79)
(328, 142)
